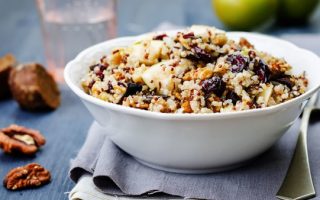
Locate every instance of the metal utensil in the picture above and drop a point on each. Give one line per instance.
(298, 181)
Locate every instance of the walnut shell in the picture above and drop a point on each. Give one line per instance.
(34, 88)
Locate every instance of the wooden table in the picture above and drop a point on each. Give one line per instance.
(65, 128)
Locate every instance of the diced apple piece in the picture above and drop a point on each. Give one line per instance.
(167, 86)
(146, 52)
(155, 49)
(202, 31)
(116, 56)
(266, 93)
(217, 36)
(228, 108)
(137, 53)
(158, 77)
(183, 65)
(137, 74)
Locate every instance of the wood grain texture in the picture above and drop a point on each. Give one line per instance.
(66, 128)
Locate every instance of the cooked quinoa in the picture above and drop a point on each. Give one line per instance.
(198, 70)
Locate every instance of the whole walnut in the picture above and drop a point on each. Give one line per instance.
(34, 88)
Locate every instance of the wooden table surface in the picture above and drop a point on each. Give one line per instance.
(65, 128)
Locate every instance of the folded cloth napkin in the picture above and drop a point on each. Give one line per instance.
(116, 173)
(86, 190)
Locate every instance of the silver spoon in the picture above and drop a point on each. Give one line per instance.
(298, 182)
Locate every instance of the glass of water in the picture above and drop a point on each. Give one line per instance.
(69, 26)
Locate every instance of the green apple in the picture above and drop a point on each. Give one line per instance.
(244, 14)
(295, 11)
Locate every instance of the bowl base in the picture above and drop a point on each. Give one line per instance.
(192, 171)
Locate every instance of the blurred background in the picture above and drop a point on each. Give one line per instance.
(21, 21)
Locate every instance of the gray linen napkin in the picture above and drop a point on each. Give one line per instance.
(115, 172)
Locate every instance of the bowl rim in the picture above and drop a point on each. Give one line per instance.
(184, 116)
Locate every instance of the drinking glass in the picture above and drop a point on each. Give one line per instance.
(69, 26)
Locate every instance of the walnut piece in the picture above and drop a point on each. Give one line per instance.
(186, 107)
(31, 175)
(19, 139)
(245, 43)
(34, 88)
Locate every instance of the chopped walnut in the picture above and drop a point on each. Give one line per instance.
(19, 139)
(204, 73)
(245, 43)
(220, 39)
(31, 175)
(186, 107)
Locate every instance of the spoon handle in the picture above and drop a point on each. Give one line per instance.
(298, 181)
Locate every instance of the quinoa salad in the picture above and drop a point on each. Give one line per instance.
(197, 70)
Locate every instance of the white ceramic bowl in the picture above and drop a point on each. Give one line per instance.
(196, 143)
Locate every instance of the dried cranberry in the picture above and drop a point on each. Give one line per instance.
(262, 70)
(252, 54)
(110, 87)
(148, 99)
(93, 66)
(102, 58)
(132, 88)
(192, 57)
(121, 84)
(233, 96)
(127, 69)
(238, 62)
(283, 79)
(213, 85)
(286, 81)
(100, 75)
(101, 67)
(160, 37)
(200, 55)
(115, 51)
(90, 85)
(188, 35)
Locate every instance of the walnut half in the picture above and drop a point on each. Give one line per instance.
(31, 175)
(19, 139)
